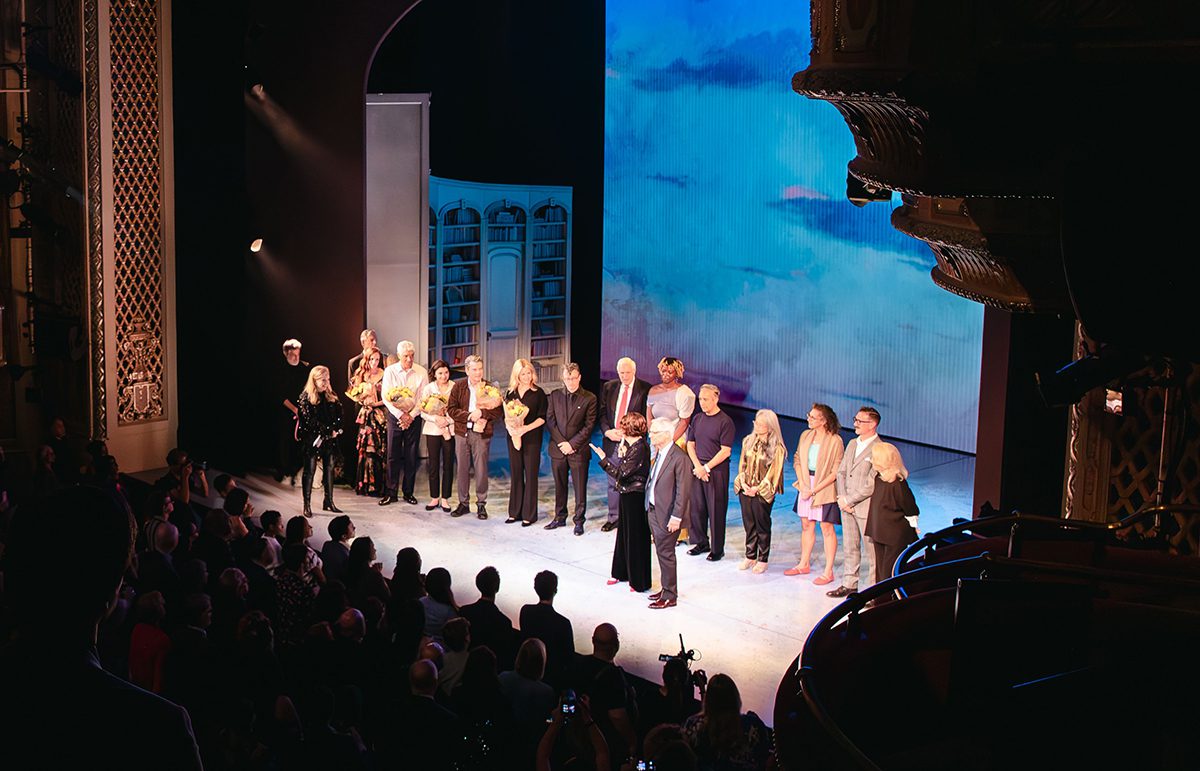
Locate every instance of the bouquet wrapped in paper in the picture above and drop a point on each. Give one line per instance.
(488, 397)
(435, 404)
(360, 391)
(401, 397)
(514, 416)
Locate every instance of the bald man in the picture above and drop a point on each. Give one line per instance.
(604, 683)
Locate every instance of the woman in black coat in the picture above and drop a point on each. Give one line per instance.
(892, 520)
(629, 467)
(320, 422)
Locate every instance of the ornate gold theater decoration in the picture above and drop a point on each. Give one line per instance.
(137, 249)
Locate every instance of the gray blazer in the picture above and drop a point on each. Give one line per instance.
(672, 486)
(856, 476)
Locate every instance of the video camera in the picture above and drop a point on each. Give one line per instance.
(699, 678)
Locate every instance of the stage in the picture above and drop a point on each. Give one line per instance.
(748, 626)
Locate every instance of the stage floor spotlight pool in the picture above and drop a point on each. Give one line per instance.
(256, 245)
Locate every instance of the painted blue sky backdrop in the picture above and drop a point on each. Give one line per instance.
(728, 240)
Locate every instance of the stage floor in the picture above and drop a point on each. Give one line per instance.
(745, 625)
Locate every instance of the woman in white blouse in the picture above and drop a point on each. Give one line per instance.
(438, 430)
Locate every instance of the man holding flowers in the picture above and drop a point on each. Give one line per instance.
(402, 382)
(475, 406)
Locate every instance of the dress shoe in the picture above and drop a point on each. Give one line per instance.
(410, 500)
(608, 527)
(387, 500)
(760, 568)
(656, 596)
(697, 550)
(579, 530)
(430, 506)
(511, 520)
(328, 506)
(715, 556)
(746, 564)
(481, 511)
(446, 509)
(611, 582)
(462, 509)
(528, 522)
(660, 603)
(554, 524)
(841, 591)
(797, 571)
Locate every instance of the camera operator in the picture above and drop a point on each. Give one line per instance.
(183, 477)
(672, 702)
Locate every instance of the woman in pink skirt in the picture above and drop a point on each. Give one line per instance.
(816, 462)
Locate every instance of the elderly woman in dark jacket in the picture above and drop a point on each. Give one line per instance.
(629, 467)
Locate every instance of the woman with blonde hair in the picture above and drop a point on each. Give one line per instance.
(758, 481)
(319, 422)
(524, 440)
(816, 462)
(892, 520)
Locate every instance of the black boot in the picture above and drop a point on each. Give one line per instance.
(327, 505)
(307, 503)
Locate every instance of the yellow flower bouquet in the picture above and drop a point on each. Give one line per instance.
(360, 391)
(435, 404)
(487, 397)
(514, 417)
(401, 397)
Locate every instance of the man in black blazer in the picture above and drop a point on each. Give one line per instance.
(571, 417)
(625, 394)
(489, 625)
(551, 627)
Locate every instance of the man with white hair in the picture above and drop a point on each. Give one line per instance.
(293, 375)
(625, 394)
(403, 426)
(668, 494)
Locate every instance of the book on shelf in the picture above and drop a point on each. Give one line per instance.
(543, 348)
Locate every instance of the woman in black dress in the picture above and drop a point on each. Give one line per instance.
(629, 467)
(524, 441)
(320, 422)
(892, 521)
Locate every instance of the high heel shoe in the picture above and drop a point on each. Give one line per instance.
(328, 506)
(307, 510)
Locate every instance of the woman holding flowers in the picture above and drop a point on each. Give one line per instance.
(524, 415)
(320, 422)
(365, 390)
(438, 430)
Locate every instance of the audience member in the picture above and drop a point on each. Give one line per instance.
(439, 603)
(149, 644)
(257, 569)
(610, 697)
(489, 626)
(299, 530)
(294, 595)
(721, 736)
(542, 621)
(672, 702)
(364, 576)
(531, 699)
(575, 743)
(223, 484)
(105, 722)
(336, 551)
(485, 717)
(456, 635)
(272, 527)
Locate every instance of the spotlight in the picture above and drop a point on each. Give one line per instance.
(1069, 384)
(256, 245)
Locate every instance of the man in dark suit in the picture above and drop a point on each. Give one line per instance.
(551, 627)
(625, 394)
(667, 499)
(571, 417)
(489, 626)
(368, 340)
